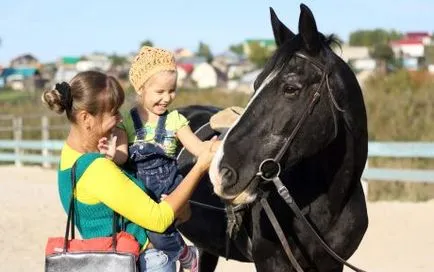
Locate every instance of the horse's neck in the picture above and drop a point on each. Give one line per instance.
(330, 173)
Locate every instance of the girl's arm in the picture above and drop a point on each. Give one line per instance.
(190, 141)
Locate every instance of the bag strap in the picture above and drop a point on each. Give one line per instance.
(70, 221)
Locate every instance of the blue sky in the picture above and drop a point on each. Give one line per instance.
(53, 28)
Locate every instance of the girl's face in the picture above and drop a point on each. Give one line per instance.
(159, 92)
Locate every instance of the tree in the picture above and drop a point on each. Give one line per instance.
(258, 54)
(205, 51)
(118, 60)
(146, 43)
(383, 54)
(237, 49)
(373, 37)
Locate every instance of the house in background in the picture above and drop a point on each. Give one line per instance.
(23, 73)
(193, 60)
(357, 56)
(205, 76)
(182, 53)
(94, 62)
(411, 49)
(245, 83)
(25, 61)
(21, 78)
(66, 68)
(184, 75)
(232, 65)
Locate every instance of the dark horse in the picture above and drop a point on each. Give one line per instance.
(308, 116)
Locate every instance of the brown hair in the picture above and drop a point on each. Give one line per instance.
(91, 91)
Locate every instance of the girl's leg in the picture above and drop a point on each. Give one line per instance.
(154, 260)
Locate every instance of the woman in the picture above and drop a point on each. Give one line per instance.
(91, 102)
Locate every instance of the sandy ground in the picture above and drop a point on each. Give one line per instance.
(399, 237)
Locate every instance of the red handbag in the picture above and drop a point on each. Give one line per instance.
(125, 243)
(117, 253)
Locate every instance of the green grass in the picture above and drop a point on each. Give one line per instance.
(11, 96)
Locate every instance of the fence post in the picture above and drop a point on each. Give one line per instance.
(18, 135)
(45, 135)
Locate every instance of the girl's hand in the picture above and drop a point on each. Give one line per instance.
(209, 148)
(107, 147)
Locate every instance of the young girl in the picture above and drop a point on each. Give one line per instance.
(148, 137)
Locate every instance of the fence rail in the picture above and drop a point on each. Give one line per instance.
(18, 126)
(44, 151)
(423, 150)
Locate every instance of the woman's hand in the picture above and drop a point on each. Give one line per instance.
(209, 148)
(107, 147)
(183, 215)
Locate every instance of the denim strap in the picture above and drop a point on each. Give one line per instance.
(138, 125)
(160, 132)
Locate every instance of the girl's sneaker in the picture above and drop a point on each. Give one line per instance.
(189, 259)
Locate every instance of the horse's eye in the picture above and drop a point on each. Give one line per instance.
(291, 91)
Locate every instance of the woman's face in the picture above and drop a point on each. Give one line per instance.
(105, 123)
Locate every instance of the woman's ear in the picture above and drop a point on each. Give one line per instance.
(85, 119)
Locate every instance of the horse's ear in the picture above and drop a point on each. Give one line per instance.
(308, 30)
(280, 31)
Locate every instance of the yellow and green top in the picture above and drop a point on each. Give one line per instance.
(102, 187)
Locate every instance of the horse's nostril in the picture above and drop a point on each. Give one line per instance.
(228, 174)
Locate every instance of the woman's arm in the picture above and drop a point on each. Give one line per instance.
(104, 182)
(179, 197)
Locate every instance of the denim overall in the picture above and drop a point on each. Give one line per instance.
(159, 172)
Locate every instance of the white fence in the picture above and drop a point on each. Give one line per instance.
(19, 150)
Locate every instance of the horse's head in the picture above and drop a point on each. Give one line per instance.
(295, 112)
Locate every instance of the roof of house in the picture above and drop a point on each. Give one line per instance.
(192, 60)
(28, 57)
(417, 35)
(407, 41)
(25, 72)
(70, 60)
(187, 67)
(250, 77)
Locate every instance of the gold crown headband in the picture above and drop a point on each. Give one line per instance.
(148, 62)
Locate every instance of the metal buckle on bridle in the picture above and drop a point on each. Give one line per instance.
(269, 169)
